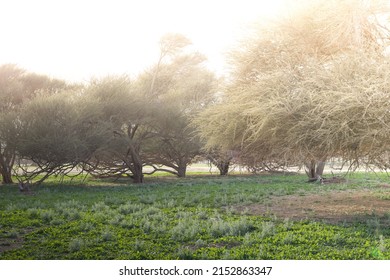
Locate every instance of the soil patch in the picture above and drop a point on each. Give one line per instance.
(332, 207)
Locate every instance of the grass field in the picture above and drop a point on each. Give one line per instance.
(199, 217)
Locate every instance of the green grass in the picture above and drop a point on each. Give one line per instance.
(190, 218)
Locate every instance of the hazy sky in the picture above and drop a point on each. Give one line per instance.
(80, 39)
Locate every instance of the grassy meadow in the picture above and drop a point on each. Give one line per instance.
(270, 216)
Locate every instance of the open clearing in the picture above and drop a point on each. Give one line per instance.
(270, 216)
(333, 206)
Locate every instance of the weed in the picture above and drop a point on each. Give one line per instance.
(116, 220)
(374, 225)
(240, 227)
(185, 230)
(289, 239)
(104, 216)
(33, 213)
(184, 215)
(150, 211)
(382, 244)
(100, 207)
(57, 221)
(47, 215)
(248, 240)
(108, 235)
(128, 223)
(190, 201)
(202, 215)
(148, 199)
(86, 226)
(230, 228)
(200, 243)
(338, 239)
(267, 229)
(12, 207)
(129, 208)
(113, 201)
(70, 204)
(71, 214)
(146, 225)
(287, 224)
(139, 245)
(184, 253)
(228, 255)
(171, 203)
(76, 244)
(219, 228)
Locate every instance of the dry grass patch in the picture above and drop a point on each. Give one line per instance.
(333, 207)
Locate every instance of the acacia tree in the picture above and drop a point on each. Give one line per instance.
(58, 134)
(184, 88)
(149, 117)
(289, 79)
(16, 87)
(126, 114)
(222, 160)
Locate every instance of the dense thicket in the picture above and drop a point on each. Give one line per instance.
(312, 86)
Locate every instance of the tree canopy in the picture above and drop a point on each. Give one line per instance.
(303, 90)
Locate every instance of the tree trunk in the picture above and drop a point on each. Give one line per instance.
(221, 161)
(314, 169)
(181, 171)
(223, 167)
(6, 169)
(138, 176)
(135, 164)
(6, 176)
(320, 168)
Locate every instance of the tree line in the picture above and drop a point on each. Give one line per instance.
(114, 126)
(308, 87)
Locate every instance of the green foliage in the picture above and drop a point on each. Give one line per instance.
(18, 87)
(78, 222)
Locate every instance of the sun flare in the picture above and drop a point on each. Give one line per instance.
(77, 40)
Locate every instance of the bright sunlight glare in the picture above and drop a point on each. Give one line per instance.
(76, 40)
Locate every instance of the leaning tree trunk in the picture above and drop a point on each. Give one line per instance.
(314, 169)
(135, 164)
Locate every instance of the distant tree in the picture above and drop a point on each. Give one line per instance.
(59, 134)
(170, 45)
(16, 87)
(149, 116)
(221, 159)
(127, 114)
(182, 87)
